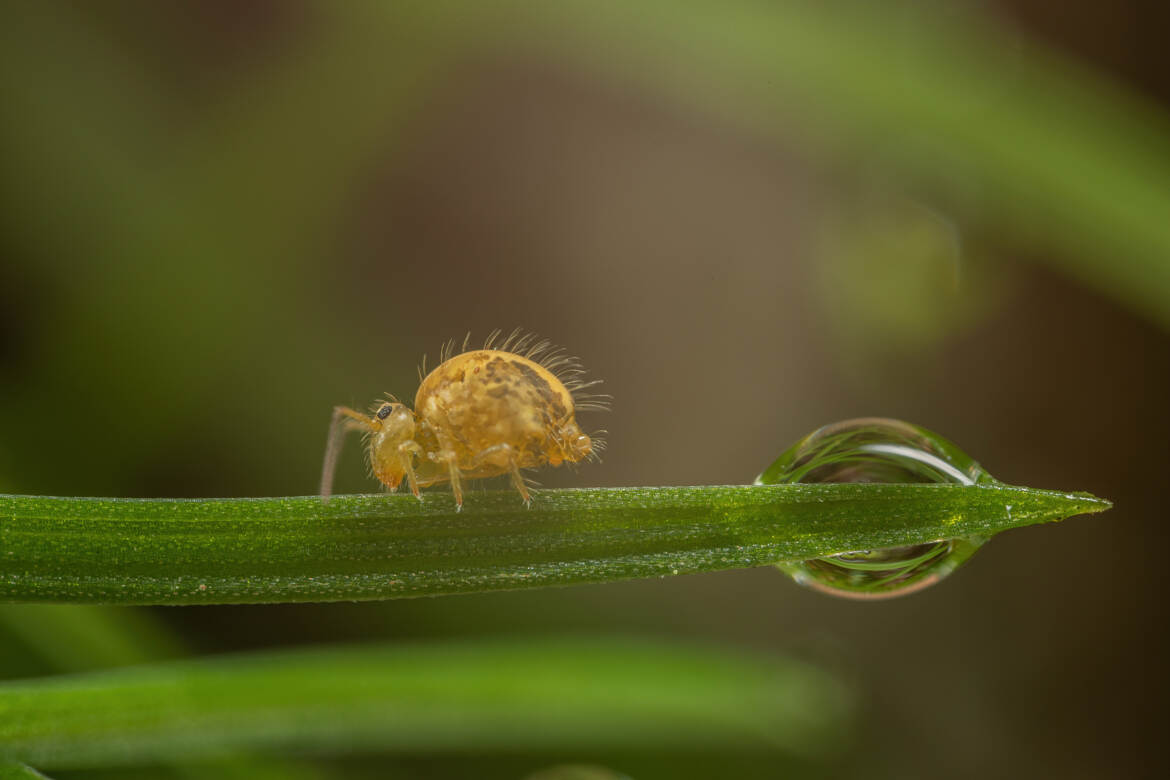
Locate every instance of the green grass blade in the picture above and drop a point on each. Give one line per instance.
(536, 694)
(220, 551)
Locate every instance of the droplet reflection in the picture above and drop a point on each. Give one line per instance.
(875, 449)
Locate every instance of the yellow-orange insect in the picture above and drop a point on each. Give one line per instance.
(480, 413)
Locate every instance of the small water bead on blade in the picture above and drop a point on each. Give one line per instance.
(875, 449)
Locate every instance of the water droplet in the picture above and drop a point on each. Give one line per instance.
(875, 449)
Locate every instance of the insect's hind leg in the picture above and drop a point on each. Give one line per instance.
(513, 467)
(456, 481)
(518, 483)
(344, 421)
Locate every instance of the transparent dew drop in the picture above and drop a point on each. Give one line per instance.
(875, 449)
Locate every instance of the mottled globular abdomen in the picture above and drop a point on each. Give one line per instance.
(477, 401)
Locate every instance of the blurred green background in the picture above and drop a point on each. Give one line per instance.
(750, 219)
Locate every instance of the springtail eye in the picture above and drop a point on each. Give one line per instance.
(384, 412)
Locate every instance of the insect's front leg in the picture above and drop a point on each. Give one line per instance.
(406, 453)
(449, 459)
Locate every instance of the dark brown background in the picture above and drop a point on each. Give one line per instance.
(711, 278)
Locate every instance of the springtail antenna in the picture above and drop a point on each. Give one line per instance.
(344, 421)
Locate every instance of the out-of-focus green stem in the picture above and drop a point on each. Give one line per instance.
(1047, 151)
(535, 694)
(10, 770)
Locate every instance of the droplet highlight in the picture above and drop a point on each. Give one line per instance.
(878, 450)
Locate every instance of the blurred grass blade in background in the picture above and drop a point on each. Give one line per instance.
(50, 638)
(14, 771)
(75, 638)
(1046, 150)
(209, 551)
(536, 694)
